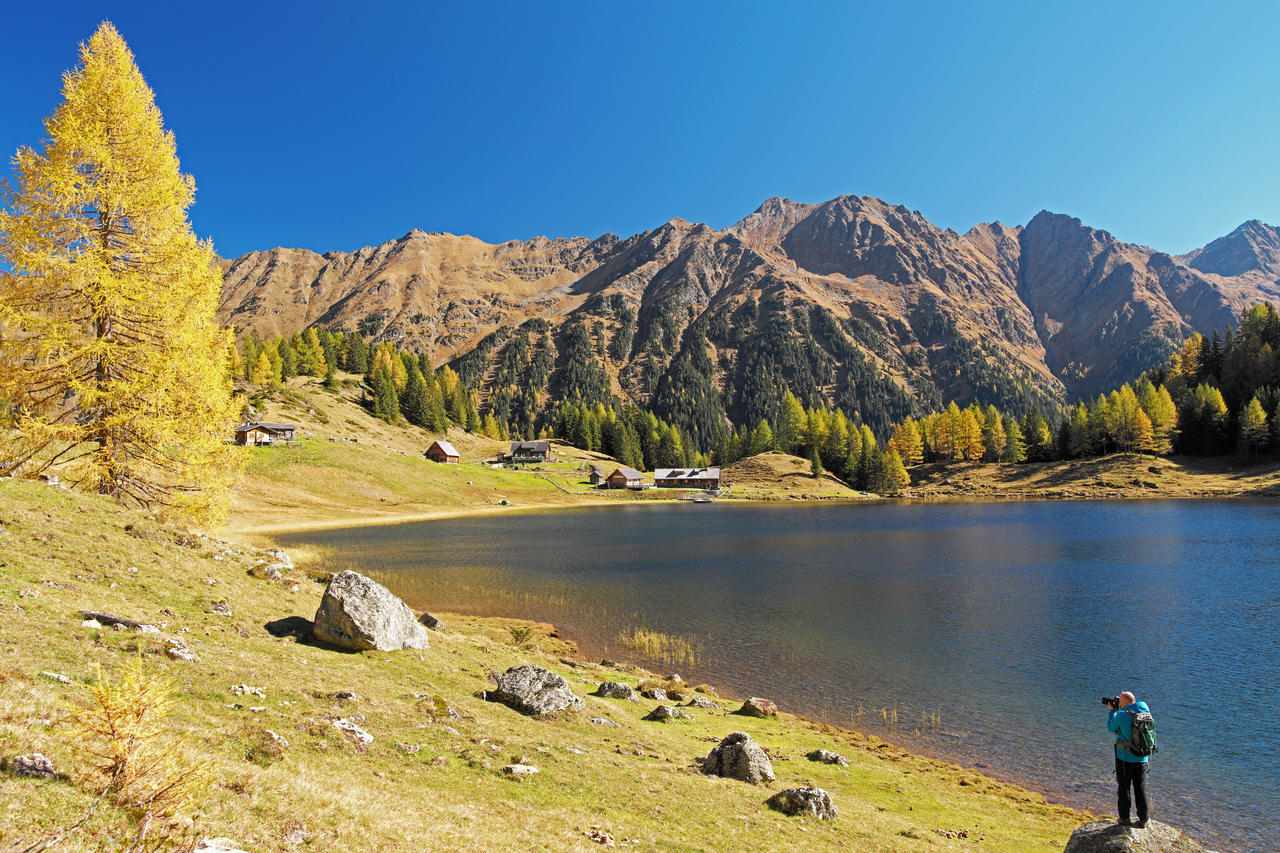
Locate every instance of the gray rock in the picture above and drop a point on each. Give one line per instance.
(739, 757)
(617, 690)
(1107, 836)
(757, 707)
(519, 770)
(813, 801)
(35, 765)
(533, 691)
(430, 621)
(176, 650)
(826, 756)
(218, 845)
(655, 693)
(605, 721)
(279, 555)
(662, 713)
(351, 730)
(359, 613)
(702, 702)
(220, 608)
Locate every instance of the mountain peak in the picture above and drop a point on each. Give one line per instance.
(1252, 246)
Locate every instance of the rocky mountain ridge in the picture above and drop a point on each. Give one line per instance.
(851, 302)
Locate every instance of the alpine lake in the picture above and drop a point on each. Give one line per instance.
(983, 633)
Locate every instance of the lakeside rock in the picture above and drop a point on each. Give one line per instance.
(617, 690)
(702, 702)
(359, 613)
(809, 800)
(1107, 836)
(739, 757)
(533, 691)
(826, 756)
(662, 713)
(757, 707)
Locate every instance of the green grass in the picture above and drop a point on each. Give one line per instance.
(429, 780)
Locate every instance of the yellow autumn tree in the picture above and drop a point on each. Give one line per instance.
(111, 362)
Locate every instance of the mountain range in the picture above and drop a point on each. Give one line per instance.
(851, 302)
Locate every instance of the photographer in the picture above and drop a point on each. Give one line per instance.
(1131, 769)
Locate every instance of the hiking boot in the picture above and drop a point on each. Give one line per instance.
(1124, 821)
(1140, 824)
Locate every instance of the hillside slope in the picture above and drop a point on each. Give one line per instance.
(260, 700)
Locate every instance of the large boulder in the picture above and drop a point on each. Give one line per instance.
(757, 707)
(359, 613)
(813, 801)
(533, 691)
(739, 757)
(1107, 836)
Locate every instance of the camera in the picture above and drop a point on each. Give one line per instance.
(1112, 702)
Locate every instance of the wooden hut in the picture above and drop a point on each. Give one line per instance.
(529, 451)
(442, 451)
(687, 478)
(625, 478)
(254, 434)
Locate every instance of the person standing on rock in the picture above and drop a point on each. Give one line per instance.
(1131, 769)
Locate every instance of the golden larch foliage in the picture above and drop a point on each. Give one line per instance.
(111, 362)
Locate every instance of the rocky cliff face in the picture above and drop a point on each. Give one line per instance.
(852, 302)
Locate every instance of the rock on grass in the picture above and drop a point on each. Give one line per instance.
(359, 613)
(533, 691)
(739, 757)
(813, 801)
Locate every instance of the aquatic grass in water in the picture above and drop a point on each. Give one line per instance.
(659, 646)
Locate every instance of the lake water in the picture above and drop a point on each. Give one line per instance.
(991, 629)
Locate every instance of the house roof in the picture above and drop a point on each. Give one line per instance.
(251, 425)
(449, 449)
(629, 473)
(543, 446)
(686, 474)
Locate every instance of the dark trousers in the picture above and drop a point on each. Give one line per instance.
(1131, 773)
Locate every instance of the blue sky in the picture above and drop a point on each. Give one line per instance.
(337, 125)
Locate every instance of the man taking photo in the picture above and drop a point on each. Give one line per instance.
(1131, 769)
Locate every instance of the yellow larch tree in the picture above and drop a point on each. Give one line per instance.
(111, 362)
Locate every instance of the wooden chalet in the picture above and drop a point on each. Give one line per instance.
(625, 478)
(687, 478)
(529, 451)
(442, 451)
(254, 433)
(597, 476)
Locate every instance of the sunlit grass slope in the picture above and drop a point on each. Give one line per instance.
(427, 782)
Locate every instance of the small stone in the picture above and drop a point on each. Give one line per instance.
(176, 651)
(702, 702)
(218, 845)
(353, 731)
(826, 756)
(343, 696)
(35, 765)
(295, 836)
(56, 676)
(519, 770)
(617, 690)
(604, 721)
(662, 713)
(431, 622)
(279, 740)
(409, 748)
(278, 555)
(220, 608)
(757, 707)
(91, 623)
(813, 801)
(675, 677)
(655, 693)
(246, 690)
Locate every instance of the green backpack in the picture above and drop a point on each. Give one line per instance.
(1142, 741)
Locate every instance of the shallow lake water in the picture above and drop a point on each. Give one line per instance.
(989, 630)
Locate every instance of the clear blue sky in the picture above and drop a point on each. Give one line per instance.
(337, 125)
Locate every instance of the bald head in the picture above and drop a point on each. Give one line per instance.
(1127, 698)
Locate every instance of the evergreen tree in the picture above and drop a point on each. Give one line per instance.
(993, 436)
(1015, 449)
(895, 475)
(793, 424)
(414, 402)
(761, 439)
(815, 464)
(112, 358)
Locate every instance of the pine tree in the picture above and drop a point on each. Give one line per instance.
(1015, 449)
(112, 357)
(815, 463)
(895, 475)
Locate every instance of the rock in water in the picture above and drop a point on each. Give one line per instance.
(617, 690)
(757, 707)
(739, 757)
(359, 613)
(826, 756)
(534, 691)
(1107, 836)
(794, 801)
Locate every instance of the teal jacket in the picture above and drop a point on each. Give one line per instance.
(1122, 724)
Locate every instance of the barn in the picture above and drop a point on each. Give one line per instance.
(442, 451)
